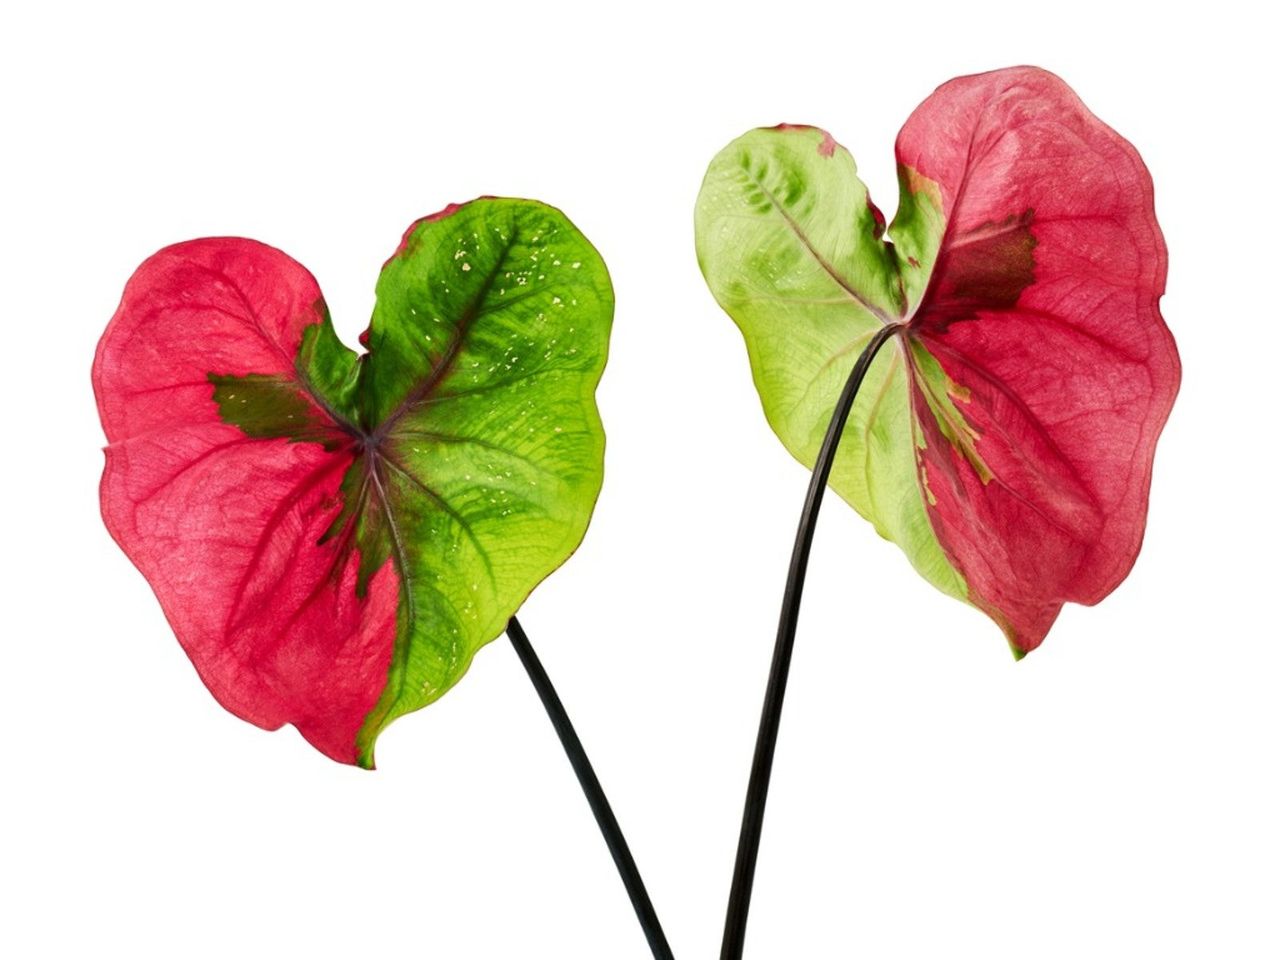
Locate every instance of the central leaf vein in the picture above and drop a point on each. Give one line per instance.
(814, 252)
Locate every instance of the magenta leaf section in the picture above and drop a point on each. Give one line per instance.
(229, 524)
(1042, 312)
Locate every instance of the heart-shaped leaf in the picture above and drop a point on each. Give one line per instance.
(332, 535)
(1005, 441)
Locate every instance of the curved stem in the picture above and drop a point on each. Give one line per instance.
(607, 822)
(735, 923)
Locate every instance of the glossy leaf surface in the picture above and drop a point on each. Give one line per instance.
(333, 535)
(1005, 439)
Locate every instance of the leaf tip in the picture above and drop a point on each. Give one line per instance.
(1022, 643)
(448, 211)
(364, 756)
(826, 146)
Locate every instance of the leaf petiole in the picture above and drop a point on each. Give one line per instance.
(607, 822)
(735, 924)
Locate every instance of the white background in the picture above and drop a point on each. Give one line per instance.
(1113, 795)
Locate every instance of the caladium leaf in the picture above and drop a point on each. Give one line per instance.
(333, 535)
(1005, 438)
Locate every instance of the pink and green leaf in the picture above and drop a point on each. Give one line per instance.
(334, 535)
(1005, 441)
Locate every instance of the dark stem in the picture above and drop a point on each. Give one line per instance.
(607, 822)
(744, 870)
